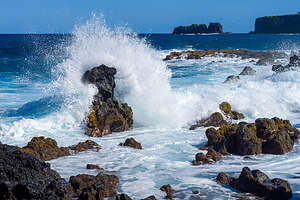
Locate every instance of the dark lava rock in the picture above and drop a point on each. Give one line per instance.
(271, 136)
(87, 187)
(259, 184)
(91, 166)
(168, 190)
(131, 142)
(83, 146)
(293, 65)
(107, 115)
(248, 71)
(149, 198)
(192, 29)
(23, 176)
(225, 108)
(210, 157)
(215, 28)
(122, 197)
(216, 120)
(45, 148)
(232, 79)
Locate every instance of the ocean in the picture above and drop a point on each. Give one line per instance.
(41, 94)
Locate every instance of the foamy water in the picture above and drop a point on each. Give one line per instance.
(166, 98)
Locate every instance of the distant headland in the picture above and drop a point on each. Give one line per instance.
(199, 29)
(278, 24)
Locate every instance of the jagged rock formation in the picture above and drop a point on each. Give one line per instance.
(293, 65)
(216, 119)
(107, 115)
(131, 142)
(47, 149)
(22, 176)
(278, 24)
(263, 57)
(199, 28)
(259, 184)
(269, 136)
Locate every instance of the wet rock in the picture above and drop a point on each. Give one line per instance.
(87, 187)
(45, 148)
(23, 176)
(122, 197)
(208, 158)
(107, 115)
(212, 154)
(216, 120)
(83, 146)
(263, 57)
(232, 79)
(237, 116)
(293, 65)
(248, 71)
(131, 142)
(149, 198)
(91, 166)
(259, 184)
(225, 108)
(168, 190)
(271, 136)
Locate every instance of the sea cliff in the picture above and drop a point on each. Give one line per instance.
(278, 24)
(199, 28)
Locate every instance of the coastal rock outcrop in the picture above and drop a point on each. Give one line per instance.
(269, 136)
(293, 65)
(259, 184)
(208, 158)
(248, 71)
(168, 190)
(232, 79)
(107, 114)
(262, 57)
(23, 176)
(215, 28)
(216, 119)
(47, 149)
(131, 142)
(278, 24)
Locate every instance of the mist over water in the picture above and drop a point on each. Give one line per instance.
(166, 97)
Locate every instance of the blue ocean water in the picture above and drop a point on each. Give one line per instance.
(41, 94)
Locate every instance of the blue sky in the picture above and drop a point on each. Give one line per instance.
(151, 16)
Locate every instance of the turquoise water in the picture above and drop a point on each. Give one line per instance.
(41, 94)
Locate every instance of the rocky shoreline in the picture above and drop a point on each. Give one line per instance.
(25, 175)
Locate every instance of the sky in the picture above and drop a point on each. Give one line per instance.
(151, 16)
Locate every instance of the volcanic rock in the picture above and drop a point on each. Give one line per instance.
(131, 142)
(259, 184)
(210, 157)
(87, 187)
(150, 198)
(270, 136)
(232, 79)
(122, 197)
(248, 71)
(168, 190)
(192, 29)
(23, 176)
(215, 28)
(107, 115)
(91, 166)
(293, 65)
(216, 120)
(47, 149)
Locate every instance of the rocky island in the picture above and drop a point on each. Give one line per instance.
(199, 28)
(278, 24)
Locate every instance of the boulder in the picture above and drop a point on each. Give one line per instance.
(23, 176)
(232, 79)
(122, 197)
(47, 149)
(270, 136)
(91, 166)
(131, 142)
(215, 28)
(150, 198)
(248, 71)
(225, 108)
(107, 115)
(168, 190)
(210, 157)
(293, 65)
(259, 184)
(216, 120)
(87, 187)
